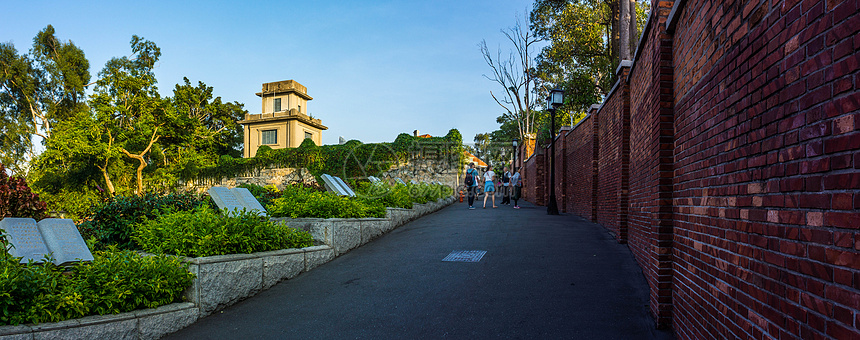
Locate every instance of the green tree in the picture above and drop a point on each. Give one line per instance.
(37, 91)
(127, 103)
(213, 123)
(588, 38)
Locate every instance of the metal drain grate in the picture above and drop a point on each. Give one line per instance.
(465, 256)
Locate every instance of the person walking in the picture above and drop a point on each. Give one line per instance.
(489, 187)
(471, 183)
(506, 189)
(516, 186)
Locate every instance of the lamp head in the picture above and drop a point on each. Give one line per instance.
(555, 99)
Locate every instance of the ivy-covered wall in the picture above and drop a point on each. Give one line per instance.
(408, 157)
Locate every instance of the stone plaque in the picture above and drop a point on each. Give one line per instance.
(344, 186)
(225, 199)
(250, 202)
(332, 185)
(24, 238)
(64, 241)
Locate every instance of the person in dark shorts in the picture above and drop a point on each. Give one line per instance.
(471, 182)
(517, 187)
(506, 187)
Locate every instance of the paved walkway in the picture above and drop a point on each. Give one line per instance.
(542, 277)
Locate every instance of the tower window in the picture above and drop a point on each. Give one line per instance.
(277, 104)
(309, 135)
(268, 137)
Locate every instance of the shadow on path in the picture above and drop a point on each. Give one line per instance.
(542, 277)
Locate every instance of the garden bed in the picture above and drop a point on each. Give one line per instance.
(223, 280)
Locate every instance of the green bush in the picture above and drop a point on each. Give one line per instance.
(264, 195)
(115, 282)
(205, 232)
(298, 201)
(113, 221)
(394, 196)
(403, 196)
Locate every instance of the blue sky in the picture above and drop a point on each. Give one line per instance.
(374, 68)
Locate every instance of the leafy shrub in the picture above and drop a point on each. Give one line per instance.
(115, 282)
(205, 232)
(395, 196)
(16, 199)
(264, 195)
(298, 201)
(121, 281)
(403, 196)
(113, 221)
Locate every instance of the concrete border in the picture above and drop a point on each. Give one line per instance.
(139, 324)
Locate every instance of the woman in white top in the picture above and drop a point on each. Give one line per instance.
(489, 187)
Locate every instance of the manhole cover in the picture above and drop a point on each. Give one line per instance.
(465, 256)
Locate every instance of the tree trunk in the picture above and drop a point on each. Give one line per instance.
(615, 30)
(139, 158)
(108, 182)
(624, 39)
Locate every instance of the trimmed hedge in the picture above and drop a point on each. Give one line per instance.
(116, 281)
(113, 221)
(298, 201)
(372, 199)
(205, 232)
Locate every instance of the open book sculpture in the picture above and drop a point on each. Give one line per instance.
(337, 185)
(235, 199)
(56, 237)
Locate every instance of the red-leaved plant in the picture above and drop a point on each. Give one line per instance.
(16, 199)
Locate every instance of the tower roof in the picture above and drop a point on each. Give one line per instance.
(285, 86)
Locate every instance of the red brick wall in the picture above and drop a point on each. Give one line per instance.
(580, 170)
(651, 159)
(766, 152)
(562, 182)
(534, 178)
(609, 168)
(743, 187)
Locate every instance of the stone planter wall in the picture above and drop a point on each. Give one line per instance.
(345, 234)
(226, 279)
(140, 324)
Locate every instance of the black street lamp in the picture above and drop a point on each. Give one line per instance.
(553, 102)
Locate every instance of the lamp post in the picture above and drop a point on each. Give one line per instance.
(553, 102)
(514, 165)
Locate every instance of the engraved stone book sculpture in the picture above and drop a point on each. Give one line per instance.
(235, 199)
(344, 186)
(337, 185)
(56, 237)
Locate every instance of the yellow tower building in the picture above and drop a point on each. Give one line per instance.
(284, 122)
